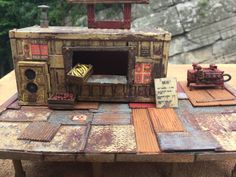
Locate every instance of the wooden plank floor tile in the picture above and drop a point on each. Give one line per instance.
(209, 97)
(145, 135)
(165, 120)
(86, 105)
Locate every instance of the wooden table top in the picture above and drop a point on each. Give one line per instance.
(106, 141)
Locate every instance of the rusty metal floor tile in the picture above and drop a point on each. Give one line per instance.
(86, 105)
(141, 105)
(181, 93)
(145, 135)
(209, 97)
(184, 141)
(107, 118)
(113, 107)
(12, 99)
(14, 105)
(39, 131)
(25, 115)
(165, 120)
(67, 139)
(71, 117)
(111, 139)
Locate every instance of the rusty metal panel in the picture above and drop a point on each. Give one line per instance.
(69, 139)
(108, 118)
(114, 107)
(25, 115)
(8, 136)
(222, 127)
(71, 117)
(227, 140)
(14, 105)
(187, 141)
(39, 131)
(111, 139)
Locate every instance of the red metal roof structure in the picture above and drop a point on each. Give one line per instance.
(124, 24)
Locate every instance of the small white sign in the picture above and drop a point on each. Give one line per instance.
(166, 92)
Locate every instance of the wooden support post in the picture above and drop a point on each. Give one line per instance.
(19, 172)
(97, 169)
(234, 172)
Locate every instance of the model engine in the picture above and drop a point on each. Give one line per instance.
(206, 77)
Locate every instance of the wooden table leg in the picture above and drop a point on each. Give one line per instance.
(97, 169)
(19, 172)
(234, 172)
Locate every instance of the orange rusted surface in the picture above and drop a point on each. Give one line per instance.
(39, 131)
(209, 97)
(145, 135)
(87, 105)
(110, 139)
(165, 120)
(109, 118)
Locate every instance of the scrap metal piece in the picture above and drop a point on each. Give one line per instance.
(187, 141)
(25, 115)
(111, 139)
(39, 131)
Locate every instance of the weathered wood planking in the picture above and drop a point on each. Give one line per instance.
(86, 105)
(108, 118)
(111, 139)
(165, 120)
(184, 141)
(209, 97)
(145, 135)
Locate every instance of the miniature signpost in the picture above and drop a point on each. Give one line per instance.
(166, 92)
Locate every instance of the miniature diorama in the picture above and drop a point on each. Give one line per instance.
(200, 77)
(102, 94)
(119, 65)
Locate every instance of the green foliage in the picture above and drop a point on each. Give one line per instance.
(203, 7)
(23, 13)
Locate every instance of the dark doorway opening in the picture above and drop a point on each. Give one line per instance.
(104, 62)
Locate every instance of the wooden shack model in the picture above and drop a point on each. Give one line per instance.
(125, 62)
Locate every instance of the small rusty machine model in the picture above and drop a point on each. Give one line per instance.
(107, 61)
(200, 77)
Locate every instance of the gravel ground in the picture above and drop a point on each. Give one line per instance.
(56, 169)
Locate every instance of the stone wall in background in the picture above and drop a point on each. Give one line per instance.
(203, 30)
